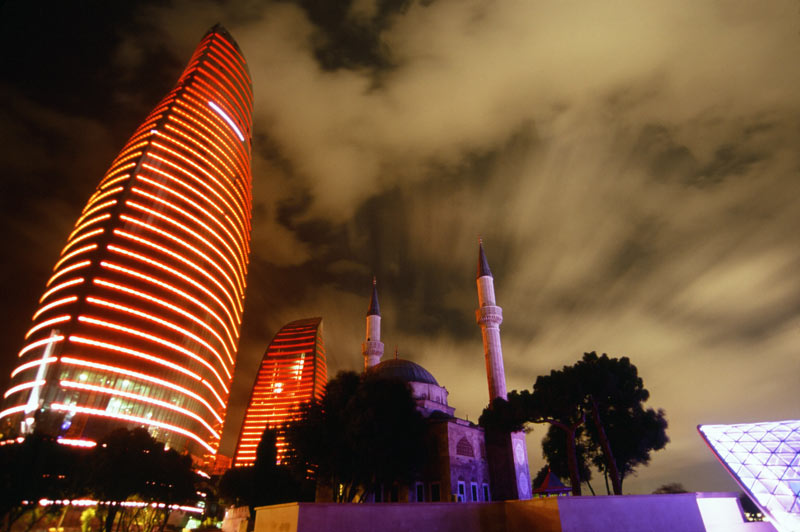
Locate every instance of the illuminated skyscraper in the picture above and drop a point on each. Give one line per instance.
(139, 323)
(293, 372)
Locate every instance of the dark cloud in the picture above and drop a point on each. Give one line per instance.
(632, 169)
(348, 34)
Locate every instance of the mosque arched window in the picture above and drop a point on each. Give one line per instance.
(464, 448)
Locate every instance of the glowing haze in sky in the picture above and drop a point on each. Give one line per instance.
(633, 169)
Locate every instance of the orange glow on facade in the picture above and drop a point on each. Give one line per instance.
(144, 331)
(293, 371)
(61, 286)
(47, 323)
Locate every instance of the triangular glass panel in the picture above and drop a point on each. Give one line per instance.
(768, 469)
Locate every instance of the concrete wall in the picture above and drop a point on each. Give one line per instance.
(627, 513)
(631, 513)
(537, 515)
(427, 517)
(281, 517)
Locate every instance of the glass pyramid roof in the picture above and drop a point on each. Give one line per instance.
(764, 458)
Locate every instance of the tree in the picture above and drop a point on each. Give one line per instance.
(621, 431)
(365, 432)
(672, 487)
(236, 486)
(598, 405)
(265, 482)
(319, 439)
(556, 399)
(38, 468)
(130, 463)
(554, 448)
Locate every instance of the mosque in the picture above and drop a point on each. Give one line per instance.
(469, 465)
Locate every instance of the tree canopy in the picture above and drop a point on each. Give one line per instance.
(125, 464)
(130, 463)
(37, 468)
(266, 482)
(598, 405)
(365, 432)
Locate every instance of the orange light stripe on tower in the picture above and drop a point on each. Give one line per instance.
(141, 398)
(165, 323)
(54, 304)
(179, 275)
(172, 289)
(39, 343)
(66, 270)
(235, 211)
(32, 364)
(227, 153)
(116, 370)
(61, 286)
(228, 174)
(87, 223)
(155, 339)
(209, 84)
(147, 295)
(22, 387)
(89, 212)
(220, 55)
(101, 194)
(73, 253)
(199, 181)
(47, 323)
(178, 257)
(209, 216)
(115, 171)
(166, 304)
(171, 221)
(83, 237)
(135, 419)
(195, 103)
(200, 96)
(238, 258)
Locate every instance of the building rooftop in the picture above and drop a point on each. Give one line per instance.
(404, 370)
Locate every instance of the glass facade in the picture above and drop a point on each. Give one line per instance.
(139, 322)
(293, 371)
(764, 458)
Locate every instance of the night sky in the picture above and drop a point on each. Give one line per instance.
(633, 169)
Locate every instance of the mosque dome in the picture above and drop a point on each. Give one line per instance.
(404, 370)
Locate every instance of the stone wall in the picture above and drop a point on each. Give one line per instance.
(627, 513)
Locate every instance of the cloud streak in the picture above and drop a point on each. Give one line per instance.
(632, 168)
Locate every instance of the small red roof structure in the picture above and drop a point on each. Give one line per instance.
(551, 485)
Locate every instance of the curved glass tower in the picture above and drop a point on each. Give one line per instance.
(139, 322)
(293, 371)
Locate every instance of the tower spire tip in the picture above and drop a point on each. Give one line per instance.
(483, 264)
(374, 307)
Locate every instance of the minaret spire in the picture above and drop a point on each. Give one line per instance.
(483, 264)
(374, 307)
(489, 316)
(372, 348)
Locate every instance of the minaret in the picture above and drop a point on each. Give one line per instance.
(506, 452)
(372, 348)
(490, 316)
